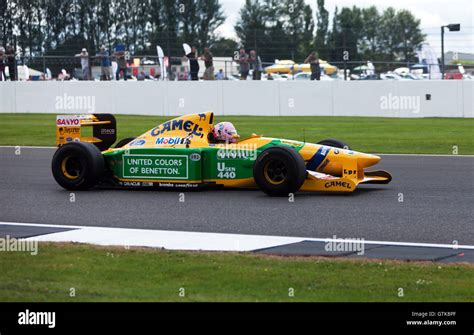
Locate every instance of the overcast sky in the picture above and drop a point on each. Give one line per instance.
(432, 13)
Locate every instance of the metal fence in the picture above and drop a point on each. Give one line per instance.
(149, 67)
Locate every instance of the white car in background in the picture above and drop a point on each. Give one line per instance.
(307, 76)
(393, 76)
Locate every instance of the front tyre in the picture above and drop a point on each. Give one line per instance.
(331, 142)
(78, 166)
(124, 142)
(279, 171)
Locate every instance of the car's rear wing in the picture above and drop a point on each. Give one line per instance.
(70, 128)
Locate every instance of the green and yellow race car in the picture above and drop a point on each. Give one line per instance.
(185, 153)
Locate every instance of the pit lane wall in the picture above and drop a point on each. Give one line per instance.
(273, 98)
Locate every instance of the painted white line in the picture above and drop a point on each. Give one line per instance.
(378, 154)
(179, 240)
(425, 155)
(26, 146)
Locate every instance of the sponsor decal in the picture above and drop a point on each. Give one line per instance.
(195, 157)
(318, 158)
(343, 184)
(131, 183)
(68, 139)
(72, 131)
(137, 143)
(188, 126)
(350, 172)
(294, 144)
(107, 131)
(225, 172)
(155, 166)
(170, 140)
(68, 121)
(325, 150)
(178, 185)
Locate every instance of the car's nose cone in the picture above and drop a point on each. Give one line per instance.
(366, 160)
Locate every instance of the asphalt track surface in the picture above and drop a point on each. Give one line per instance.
(437, 206)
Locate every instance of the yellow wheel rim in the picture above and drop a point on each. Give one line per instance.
(70, 168)
(275, 172)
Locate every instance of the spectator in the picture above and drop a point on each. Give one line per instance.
(244, 64)
(141, 76)
(370, 68)
(2, 65)
(84, 64)
(121, 65)
(193, 63)
(105, 71)
(63, 75)
(313, 60)
(207, 58)
(255, 65)
(220, 75)
(11, 62)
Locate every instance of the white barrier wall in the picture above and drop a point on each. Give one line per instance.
(352, 98)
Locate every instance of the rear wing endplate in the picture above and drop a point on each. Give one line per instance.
(69, 128)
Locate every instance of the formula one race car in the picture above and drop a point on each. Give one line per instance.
(182, 153)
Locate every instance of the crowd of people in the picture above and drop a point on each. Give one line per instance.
(105, 64)
(249, 63)
(7, 60)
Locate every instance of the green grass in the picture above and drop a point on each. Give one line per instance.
(367, 134)
(117, 274)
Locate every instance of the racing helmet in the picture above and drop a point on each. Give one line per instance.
(225, 131)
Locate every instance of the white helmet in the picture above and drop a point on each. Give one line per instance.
(225, 131)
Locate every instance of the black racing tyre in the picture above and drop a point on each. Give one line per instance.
(279, 171)
(331, 142)
(78, 166)
(124, 141)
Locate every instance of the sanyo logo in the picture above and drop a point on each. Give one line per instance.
(37, 318)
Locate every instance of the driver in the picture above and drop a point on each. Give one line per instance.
(224, 132)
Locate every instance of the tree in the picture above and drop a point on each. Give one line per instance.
(224, 47)
(276, 29)
(211, 16)
(410, 35)
(370, 42)
(322, 28)
(346, 33)
(250, 27)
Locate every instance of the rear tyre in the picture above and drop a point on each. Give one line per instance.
(78, 166)
(124, 141)
(279, 171)
(331, 142)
